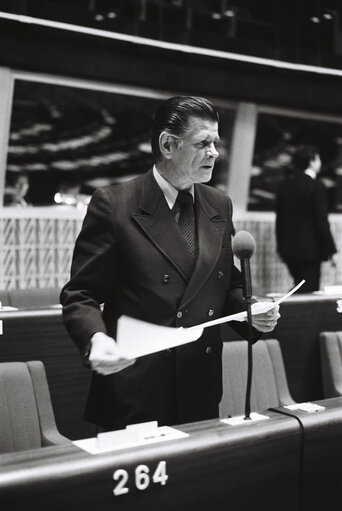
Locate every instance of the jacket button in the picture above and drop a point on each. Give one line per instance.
(220, 275)
(166, 278)
(208, 349)
(179, 314)
(210, 312)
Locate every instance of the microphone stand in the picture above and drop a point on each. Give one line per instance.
(247, 292)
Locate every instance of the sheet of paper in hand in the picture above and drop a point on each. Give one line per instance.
(137, 338)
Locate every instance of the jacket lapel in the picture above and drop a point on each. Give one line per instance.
(157, 221)
(210, 229)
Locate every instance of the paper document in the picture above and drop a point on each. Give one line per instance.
(137, 338)
(257, 308)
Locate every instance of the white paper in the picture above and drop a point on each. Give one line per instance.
(333, 290)
(137, 338)
(257, 308)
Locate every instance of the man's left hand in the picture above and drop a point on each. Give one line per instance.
(266, 321)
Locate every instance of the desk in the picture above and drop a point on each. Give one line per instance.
(322, 456)
(218, 467)
(303, 318)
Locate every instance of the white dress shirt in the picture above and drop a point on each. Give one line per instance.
(169, 191)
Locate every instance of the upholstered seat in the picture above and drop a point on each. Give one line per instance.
(5, 298)
(33, 298)
(269, 383)
(26, 416)
(331, 362)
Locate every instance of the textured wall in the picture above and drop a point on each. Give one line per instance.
(36, 252)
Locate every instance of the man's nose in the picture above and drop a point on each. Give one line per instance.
(212, 152)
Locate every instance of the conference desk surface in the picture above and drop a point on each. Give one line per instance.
(217, 467)
(321, 455)
(288, 462)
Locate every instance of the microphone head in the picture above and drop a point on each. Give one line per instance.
(243, 245)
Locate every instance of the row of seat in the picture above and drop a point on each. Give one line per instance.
(269, 384)
(30, 298)
(27, 418)
(331, 359)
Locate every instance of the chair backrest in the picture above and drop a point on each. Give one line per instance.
(5, 298)
(331, 363)
(26, 416)
(33, 298)
(269, 383)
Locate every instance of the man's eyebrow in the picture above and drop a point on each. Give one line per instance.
(200, 138)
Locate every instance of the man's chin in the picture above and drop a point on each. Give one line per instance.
(206, 177)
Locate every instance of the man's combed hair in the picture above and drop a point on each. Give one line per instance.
(173, 115)
(303, 155)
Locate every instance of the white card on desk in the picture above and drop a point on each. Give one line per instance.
(305, 407)
(129, 437)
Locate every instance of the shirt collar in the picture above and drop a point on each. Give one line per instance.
(169, 191)
(310, 173)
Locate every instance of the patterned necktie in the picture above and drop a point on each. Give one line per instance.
(187, 223)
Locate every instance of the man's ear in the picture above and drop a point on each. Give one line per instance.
(166, 144)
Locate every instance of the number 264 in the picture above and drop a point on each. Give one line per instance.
(142, 478)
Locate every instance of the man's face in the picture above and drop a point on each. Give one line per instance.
(316, 163)
(194, 158)
(22, 186)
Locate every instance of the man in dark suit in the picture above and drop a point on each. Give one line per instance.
(151, 252)
(303, 233)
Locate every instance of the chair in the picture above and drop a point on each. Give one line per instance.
(331, 363)
(4, 298)
(26, 416)
(269, 383)
(34, 298)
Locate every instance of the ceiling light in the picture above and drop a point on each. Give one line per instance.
(314, 19)
(145, 147)
(229, 13)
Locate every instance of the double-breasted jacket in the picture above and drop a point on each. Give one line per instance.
(131, 257)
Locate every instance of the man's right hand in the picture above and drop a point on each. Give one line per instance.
(334, 260)
(105, 356)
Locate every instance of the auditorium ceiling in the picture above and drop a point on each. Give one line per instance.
(78, 139)
(306, 31)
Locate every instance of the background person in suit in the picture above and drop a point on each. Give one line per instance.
(143, 253)
(303, 233)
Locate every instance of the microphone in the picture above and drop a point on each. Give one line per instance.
(243, 245)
